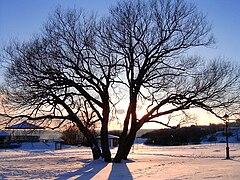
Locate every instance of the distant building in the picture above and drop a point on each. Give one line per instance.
(25, 132)
(4, 138)
(112, 141)
(58, 144)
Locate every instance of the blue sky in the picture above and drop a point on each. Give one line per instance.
(22, 18)
(224, 15)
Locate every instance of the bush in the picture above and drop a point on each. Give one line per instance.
(72, 136)
(212, 138)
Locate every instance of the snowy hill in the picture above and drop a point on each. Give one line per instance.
(220, 137)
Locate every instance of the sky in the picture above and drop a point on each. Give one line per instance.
(21, 19)
(224, 16)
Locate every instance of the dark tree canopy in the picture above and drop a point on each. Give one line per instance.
(80, 66)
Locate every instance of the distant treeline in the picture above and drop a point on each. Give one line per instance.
(164, 137)
(180, 136)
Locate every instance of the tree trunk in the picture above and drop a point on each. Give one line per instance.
(96, 151)
(125, 147)
(122, 139)
(104, 143)
(129, 142)
(104, 134)
(125, 143)
(118, 156)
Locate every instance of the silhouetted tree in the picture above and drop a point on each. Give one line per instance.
(81, 66)
(151, 39)
(60, 75)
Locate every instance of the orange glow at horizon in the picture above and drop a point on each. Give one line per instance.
(202, 118)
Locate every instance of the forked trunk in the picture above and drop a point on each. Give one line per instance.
(125, 147)
(118, 156)
(129, 144)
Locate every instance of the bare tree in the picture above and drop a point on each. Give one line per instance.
(151, 38)
(80, 67)
(60, 75)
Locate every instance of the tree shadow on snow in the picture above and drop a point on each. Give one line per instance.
(235, 160)
(2, 176)
(87, 172)
(120, 171)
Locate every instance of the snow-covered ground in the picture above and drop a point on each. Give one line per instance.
(41, 161)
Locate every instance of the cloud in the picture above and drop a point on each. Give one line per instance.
(120, 111)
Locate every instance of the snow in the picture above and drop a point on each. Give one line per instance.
(220, 136)
(3, 134)
(41, 161)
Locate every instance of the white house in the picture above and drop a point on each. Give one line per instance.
(112, 141)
